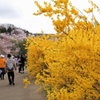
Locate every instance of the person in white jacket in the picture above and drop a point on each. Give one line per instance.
(10, 66)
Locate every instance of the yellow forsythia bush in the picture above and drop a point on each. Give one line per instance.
(68, 68)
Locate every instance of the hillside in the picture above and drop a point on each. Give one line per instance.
(10, 38)
(10, 27)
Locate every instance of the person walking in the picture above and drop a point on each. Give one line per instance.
(10, 66)
(16, 60)
(22, 63)
(25, 57)
(2, 66)
(19, 64)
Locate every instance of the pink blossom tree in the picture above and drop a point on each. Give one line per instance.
(9, 41)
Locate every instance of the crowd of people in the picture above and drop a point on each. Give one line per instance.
(11, 63)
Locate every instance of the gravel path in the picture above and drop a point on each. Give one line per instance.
(17, 91)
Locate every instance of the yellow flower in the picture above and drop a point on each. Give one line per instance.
(26, 82)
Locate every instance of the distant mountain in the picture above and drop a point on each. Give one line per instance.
(10, 27)
(7, 25)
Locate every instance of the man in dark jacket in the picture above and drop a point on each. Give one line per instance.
(22, 63)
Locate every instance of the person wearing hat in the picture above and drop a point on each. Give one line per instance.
(2, 66)
(10, 66)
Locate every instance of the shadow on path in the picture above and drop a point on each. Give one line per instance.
(17, 91)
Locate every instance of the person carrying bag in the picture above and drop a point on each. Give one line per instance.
(10, 66)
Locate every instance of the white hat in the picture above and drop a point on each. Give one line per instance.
(2, 56)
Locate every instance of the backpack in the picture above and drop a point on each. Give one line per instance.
(10, 65)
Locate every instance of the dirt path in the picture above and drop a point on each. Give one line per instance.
(17, 92)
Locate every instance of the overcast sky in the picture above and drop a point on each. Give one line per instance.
(20, 14)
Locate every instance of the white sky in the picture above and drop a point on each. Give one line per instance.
(20, 14)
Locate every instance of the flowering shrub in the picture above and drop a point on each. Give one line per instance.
(69, 67)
